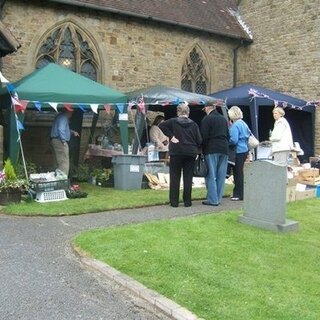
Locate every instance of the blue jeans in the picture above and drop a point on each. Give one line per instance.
(215, 180)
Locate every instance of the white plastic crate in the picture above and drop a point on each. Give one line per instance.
(48, 196)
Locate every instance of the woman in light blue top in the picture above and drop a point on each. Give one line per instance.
(239, 134)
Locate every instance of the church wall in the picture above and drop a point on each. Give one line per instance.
(285, 54)
(133, 53)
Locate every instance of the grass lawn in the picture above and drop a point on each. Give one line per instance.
(219, 268)
(99, 199)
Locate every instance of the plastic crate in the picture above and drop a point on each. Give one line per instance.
(45, 186)
(56, 195)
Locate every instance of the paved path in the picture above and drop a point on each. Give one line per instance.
(41, 278)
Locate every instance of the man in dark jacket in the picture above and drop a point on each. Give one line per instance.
(215, 147)
(185, 141)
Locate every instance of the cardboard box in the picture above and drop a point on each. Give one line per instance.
(291, 193)
(294, 159)
(309, 176)
(307, 194)
(293, 181)
(314, 162)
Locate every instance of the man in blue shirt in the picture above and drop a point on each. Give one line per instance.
(60, 136)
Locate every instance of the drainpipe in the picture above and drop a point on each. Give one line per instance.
(2, 3)
(235, 62)
(235, 55)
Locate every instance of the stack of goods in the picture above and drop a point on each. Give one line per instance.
(304, 181)
(50, 186)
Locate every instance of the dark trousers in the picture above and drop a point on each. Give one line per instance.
(186, 164)
(238, 174)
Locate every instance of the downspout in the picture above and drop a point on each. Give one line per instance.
(235, 62)
(2, 3)
(235, 55)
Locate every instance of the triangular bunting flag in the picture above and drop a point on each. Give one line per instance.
(11, 87)
(37, 104)
(107, 108)
(19, 125)
(3, 79)
(15, 101)
(94, 107)
(21, 106)
(68, 106)
(54, 105)
(120, 107)
(82, 107)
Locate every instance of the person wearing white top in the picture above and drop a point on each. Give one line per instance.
(281, 137)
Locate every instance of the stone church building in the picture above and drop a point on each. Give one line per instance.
(201, 46)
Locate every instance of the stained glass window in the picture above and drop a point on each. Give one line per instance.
(194, 75)
(68, 46)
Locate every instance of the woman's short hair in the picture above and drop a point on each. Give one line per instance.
(157, 120)
(235, 113)
(183, 109)
(279, 110)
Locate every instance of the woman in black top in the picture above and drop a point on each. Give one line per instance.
(185, 141)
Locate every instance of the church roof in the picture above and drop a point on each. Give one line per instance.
(8, 43)
(213, 16)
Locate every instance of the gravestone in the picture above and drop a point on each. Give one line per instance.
(265, 197)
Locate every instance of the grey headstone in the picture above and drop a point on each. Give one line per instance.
(265, 197)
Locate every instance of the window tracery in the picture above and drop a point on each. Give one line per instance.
(69, 47)
(194, 76)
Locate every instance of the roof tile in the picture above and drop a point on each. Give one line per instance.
(207, 15)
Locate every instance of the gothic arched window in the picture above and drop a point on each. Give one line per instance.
(69, 47)
(194, 75)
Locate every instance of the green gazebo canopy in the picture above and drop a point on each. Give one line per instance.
(58, 85)
(54, 83)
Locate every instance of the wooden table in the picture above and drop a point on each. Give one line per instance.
(96, 151)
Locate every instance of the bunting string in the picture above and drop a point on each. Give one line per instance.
(283, 104)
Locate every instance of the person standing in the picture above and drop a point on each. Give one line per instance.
(215, 147)
(239, 134)
(60, 136)
(185, 141)
(281, 137)
(160, 140)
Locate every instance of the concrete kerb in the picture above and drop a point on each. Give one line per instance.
(156, 300)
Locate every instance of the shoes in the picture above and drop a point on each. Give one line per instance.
(188, 204)
(207, 203)
(236, 199)
(174, 205)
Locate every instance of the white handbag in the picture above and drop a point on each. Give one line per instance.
(253, 142)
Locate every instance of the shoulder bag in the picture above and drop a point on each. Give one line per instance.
(200, 166)
(253, 142)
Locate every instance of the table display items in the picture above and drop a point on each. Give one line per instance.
(49, 186)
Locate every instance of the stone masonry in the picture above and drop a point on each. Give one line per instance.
(134, 53)
(285, 53)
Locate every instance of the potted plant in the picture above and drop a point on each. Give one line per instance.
(11, 186)
(104, 177)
